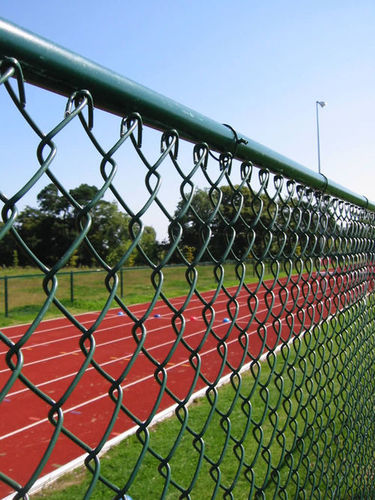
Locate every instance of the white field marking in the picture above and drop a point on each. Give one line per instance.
(113, 341)
(62, 327)
(62, 318)
(89, 313)
(47, 320)
(104, 395)
(134, 308)
(129, 323)
(51, 477)
(175, 301)
(98, 330)
(121, 359)
(42, 384)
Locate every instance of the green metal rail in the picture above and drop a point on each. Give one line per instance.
(47, 65)
(283, 362)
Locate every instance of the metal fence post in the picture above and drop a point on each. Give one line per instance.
(6, 295)
(71, 286)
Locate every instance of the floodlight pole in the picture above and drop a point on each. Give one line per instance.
(321, 104)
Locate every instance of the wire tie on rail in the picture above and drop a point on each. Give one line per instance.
(12, 63)
(237, 142)
(77, 98)
(237, 139)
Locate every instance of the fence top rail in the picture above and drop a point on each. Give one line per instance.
(59, 70)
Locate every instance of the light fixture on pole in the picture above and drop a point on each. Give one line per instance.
(321, 104)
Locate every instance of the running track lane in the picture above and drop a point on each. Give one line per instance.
(53, 356)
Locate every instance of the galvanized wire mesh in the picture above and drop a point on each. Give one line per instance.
(296, 346)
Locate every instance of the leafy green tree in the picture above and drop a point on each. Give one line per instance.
(148, 245)
(55, 226)
(7, 247)
(227, 223)
(313, 227)
(234, 222)
(46, 235)
(51, 203)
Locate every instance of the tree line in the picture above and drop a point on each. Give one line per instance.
(51, 228)
(225, 223)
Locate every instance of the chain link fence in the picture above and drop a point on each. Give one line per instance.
(295, 345)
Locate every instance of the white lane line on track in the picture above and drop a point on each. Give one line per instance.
(129, 322)
(113, 361)
(124, 387)
(140, 380)
(174, 301)
(113, 341)
(159, 417)
(132, 307)
(98, 330)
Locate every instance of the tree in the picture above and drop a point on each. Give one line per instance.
(57, 224)
(7, 247)
(228, 223)
(51, 203)
(46, 235)
(236, 223)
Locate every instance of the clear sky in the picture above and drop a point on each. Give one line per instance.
(259, 65)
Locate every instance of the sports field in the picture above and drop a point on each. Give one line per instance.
(180, 354)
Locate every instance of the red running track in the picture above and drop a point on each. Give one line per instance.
(53, 356)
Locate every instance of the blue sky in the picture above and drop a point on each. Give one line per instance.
(257, 65)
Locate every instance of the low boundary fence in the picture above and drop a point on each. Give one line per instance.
(71, 284)
(295, 419)
(70, 287)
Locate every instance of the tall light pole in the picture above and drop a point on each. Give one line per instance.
(321, 104)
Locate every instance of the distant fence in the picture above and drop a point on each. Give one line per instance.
(73, 284)
(68, 285)
(296, 349)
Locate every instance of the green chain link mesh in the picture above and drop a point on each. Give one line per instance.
(300, 367)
